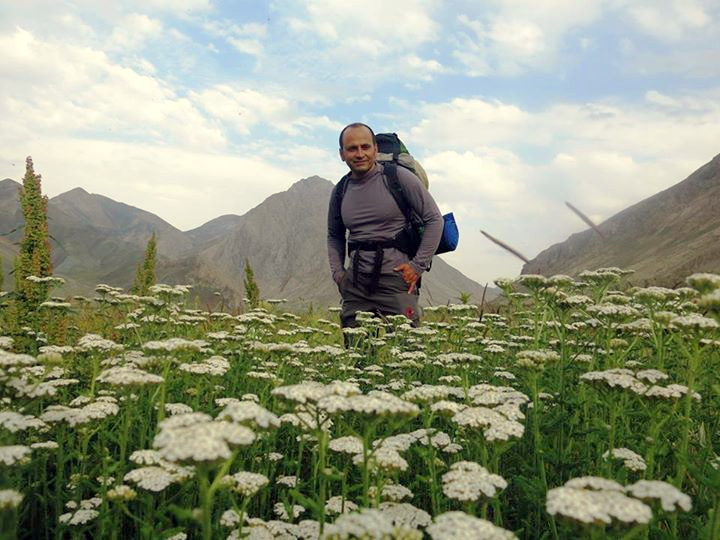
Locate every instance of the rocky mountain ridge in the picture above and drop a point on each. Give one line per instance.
(663, 238)
(98, 240)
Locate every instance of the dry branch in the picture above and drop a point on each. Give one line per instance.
(505, 247)
(586, 219)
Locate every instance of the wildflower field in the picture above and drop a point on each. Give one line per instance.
(576, 408)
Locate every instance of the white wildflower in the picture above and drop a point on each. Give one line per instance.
(490, 395)
(651, 375)
(536, 359)
(229, 518)
(431, 392)
(616, 377)
(348, 445)
(462, 526)
(694, 322)
(250, 414)
(215, 366)
(704, 282)
(405, 515)
(10, 499)
(128, 376)
(596, 500)
(192, 438)
(177, 408)
(12, 454)
(375, 403)
(495, 425)
(8, 359)
(314, 391)
(367, 523)
(395, 493)
(339, 505)
(445, 407)
(176, 344)
(459, 358)
(14, 422)
(468, 481)
(282, 512)
(45, 445)
(671, 498)
(671, 391)
(94, 342)
(151, 478)
(384, 459)
(121, 493)
(246, 483)
(630, 459)
(80, 517)
(288, 481)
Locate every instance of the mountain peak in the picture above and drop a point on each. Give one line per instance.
(7, 182)
(311, 182)
(73, 193)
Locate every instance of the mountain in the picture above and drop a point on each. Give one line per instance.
(663, 238)
(98, 240)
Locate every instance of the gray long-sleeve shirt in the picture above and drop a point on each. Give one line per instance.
(370, 213)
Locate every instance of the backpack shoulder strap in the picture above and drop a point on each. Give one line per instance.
(340, 190)
(396, 190)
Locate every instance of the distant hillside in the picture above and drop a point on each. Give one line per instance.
(98, 240)
(663, 238)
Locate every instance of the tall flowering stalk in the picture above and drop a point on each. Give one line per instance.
(34, 256)
(145, 275)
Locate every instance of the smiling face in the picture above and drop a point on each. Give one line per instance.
(358, 150)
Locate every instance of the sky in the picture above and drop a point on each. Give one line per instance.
(192, 109)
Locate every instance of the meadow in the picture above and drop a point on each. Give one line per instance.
(573, 408)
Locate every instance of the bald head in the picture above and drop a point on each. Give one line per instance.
(356, 125)
(358, 148)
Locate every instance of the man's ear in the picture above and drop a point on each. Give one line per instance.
(341, 155)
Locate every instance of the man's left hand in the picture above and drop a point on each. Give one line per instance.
(409, 275)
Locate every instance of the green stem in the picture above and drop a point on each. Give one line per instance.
(715, 522)
(687, 406)
(539, 454)
(205, 503)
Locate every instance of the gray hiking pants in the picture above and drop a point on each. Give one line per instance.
(389, 298)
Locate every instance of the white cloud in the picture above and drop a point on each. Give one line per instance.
(245, 38)
(59, 88)
(511, 37)
(134, 31)
(383, 46)
(389, 26)
(242, 108)
(494, 176)
(668, 21)
(656, 98)
(247, 46)
(466, 124)
(178, 7)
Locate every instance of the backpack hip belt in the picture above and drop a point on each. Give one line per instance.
(379, 249)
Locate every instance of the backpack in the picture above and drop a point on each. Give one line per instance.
(391, 154)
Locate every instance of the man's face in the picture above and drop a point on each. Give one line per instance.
(358, 151)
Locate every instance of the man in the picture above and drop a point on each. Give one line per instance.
(381, 277)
